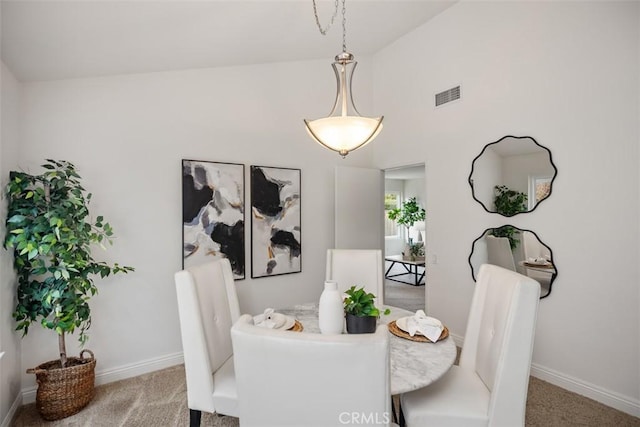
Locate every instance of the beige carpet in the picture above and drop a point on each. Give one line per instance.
(159, 399)
(151, 400)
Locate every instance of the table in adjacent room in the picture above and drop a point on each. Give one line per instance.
(411, 268)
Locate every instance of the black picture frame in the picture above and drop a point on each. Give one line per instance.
(276, 228)
(213, 224)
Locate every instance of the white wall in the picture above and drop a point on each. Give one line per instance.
(516, 170)
(127, 136)
(567, 74)
(10, 366)
(487, 173)
(394, 245)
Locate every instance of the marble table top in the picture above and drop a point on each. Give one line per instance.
(413, 364)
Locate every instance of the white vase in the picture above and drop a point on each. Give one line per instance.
(330, 309)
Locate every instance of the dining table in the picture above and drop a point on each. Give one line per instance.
(546, 267)
(414, 364)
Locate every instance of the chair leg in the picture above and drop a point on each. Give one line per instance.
(402, 422)
(194, 418)
(394, 416)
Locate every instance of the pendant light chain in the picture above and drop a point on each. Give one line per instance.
(344, 25)
(344, 129)
(333, 18)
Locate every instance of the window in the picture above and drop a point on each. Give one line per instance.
(539, 189)
(391, 201)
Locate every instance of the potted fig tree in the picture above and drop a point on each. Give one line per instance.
(49, 229)
(360, 311)
(408, 215)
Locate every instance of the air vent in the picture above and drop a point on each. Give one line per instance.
(447, 96)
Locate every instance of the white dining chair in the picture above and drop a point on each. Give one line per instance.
(295, 379)
(208, 307)
(499, 252)
(489, 387)
(359, 267)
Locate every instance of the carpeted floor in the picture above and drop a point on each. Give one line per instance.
(158, 399)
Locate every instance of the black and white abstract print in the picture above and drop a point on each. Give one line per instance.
(213, 213)
(275, 221)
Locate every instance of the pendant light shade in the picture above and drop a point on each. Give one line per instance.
(344, 130)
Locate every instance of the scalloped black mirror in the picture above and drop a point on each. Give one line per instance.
(512, 175)
(515, 249)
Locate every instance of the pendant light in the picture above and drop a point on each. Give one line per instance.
(344, 129)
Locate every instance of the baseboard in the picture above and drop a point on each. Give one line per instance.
(599, 394)
(458, 339)
(120, 373)
(583, 388)
(8, 419)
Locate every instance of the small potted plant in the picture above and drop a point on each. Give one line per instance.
(416, 251)
(360, 311)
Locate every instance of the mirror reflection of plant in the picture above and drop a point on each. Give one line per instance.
(408, 214)
(361, 303)
(509, 202)
(508, 232)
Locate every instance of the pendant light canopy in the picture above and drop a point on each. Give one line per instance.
(344, 130)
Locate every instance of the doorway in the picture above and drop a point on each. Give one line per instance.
(400, 185)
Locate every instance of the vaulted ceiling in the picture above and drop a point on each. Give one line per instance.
(53, 39)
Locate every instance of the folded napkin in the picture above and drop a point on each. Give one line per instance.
(539, 261)
(270, 319)
(430, 327)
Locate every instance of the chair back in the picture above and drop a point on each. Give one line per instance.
(499, 339)
(533, 248)
(499, 252)
(207, 307)
(287, 378)
(359, 267)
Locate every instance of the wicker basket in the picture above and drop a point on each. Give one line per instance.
(64, 391)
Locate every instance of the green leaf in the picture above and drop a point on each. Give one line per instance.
(32, 253)
(16, 219)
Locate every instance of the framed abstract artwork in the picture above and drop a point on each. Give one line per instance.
(275, 221)
(213, 213)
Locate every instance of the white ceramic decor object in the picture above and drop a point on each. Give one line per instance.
(330, 310)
